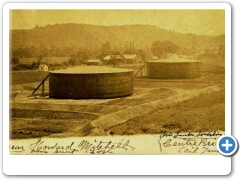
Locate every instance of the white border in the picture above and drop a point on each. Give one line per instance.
(117, 6)
(114, 165)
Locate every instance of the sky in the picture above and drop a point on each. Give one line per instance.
(201, 22)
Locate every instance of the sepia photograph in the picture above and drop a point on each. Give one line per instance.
(116, 81)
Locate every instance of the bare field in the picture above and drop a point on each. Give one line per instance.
(156, 106)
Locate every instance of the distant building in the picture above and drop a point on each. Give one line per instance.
(154, 58)
(132, 58)
(43, 67)
(172, 56)
(94, 62)
(109, 59)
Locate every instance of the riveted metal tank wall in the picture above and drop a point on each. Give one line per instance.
(174, 70)
(97, 83)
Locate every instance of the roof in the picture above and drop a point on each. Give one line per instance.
(172, 56)
(108, 57)
(94, 60)
(42, 65)
(129, 56)
(180, 60)
(154, 57)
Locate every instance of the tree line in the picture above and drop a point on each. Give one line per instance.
(79, 56)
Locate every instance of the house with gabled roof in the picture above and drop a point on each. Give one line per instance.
(132, 58)
(109, 58)
(94, 62)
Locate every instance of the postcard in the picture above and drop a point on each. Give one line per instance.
(100, 82)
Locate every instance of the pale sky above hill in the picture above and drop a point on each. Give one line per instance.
(206, 22)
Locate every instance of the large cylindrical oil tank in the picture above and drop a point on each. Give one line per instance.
(177, 69)
(90, 82)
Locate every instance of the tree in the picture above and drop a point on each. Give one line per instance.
(43, 51)
(73, 60)
(82, 55)
(35, 64)
(161, 48)
(142, 54)
(39, 59)
(33, 51)
(54, 51)
(14, 61)
(116, 59)
(106, 49)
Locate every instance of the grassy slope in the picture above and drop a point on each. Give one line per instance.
(203, 113)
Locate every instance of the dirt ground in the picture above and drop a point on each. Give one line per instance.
(156, 106)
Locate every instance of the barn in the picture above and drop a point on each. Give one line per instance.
(155, 58)
(132, 58)
(110, 58)
(94, 62)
